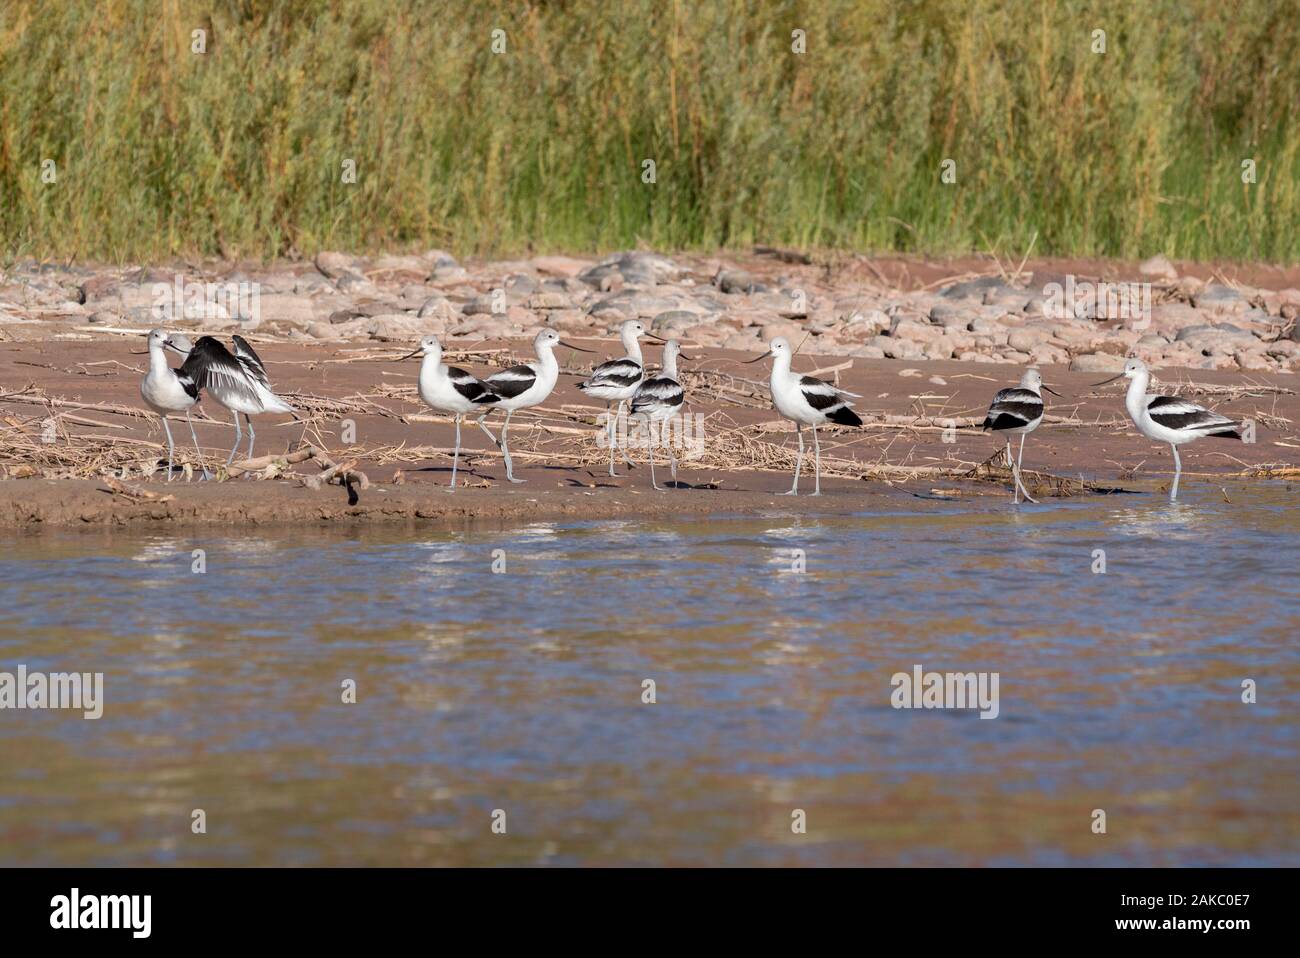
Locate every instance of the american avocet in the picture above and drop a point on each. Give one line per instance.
(237, 381)
(450, 390)
(166, 390)
(522, 386)
(807, 402)
(1017, 412)
(658, 400)
(1168, 418)
(617, 380)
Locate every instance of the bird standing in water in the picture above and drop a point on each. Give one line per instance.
(1018, 411)
(1168, 418)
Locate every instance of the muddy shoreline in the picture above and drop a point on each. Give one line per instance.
(903, 458)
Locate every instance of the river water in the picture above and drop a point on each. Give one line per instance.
(500, 677)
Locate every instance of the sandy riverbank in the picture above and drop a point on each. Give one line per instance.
(921, 435)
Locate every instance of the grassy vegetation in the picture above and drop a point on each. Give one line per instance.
(239, 150)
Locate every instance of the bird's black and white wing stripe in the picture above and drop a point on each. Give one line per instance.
(616, 374)
(509, 383)
(469, 386)
(250, 361)
(212, 367)
(1182, 415)
(828, 400)
(1014, 408)
(187, 383)
(657, 396)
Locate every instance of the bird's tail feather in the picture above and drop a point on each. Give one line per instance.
(845, 417)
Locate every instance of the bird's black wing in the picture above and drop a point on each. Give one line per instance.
(1013, 408)
(469, 386)
(511, 382)
(250, 361)
(212, 367)
(1182, 414)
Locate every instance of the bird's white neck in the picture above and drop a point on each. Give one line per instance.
(157, 359)
(546, 361)
(670, 365)
(1136, 399)
(781, 367)
(633, 346)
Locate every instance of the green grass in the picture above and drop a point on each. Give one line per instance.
(239, 151)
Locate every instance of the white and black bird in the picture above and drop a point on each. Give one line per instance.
(166, 390)
(519, 387)
(237, 381)
(617, 380)
(1168, 418)
(1017, 412)
(449, 389)
(658, 400)
(807, 402)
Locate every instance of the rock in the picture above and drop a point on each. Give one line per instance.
(550, 300)
(789, 330)
(868, 352)
(634, 268)
(742, 341)
(974, 288)
(913, 331)
(1158, 267)
(335, 265)
(867, 323)
(1217, 298)
(403, 327)
(1097, 363)
(736, 281)
(284, 308)
(519, 286)
(1250, 359)
(1024, 340)
(948, 316)
(673, 323)
(560, 265)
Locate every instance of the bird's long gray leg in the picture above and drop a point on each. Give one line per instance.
(206, 474)
(455, 456)
(1178, 472)
(1023, 490)
(482, 425)
(651, 450)
(505, 449)
(794, 489)
(1015, 483)
(672, 459)
(251, 436)
(626, 457)
(238, 435)
(817, 457)
(609, 432)
(168, 429)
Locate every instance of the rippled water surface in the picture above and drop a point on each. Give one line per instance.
(522, 690)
